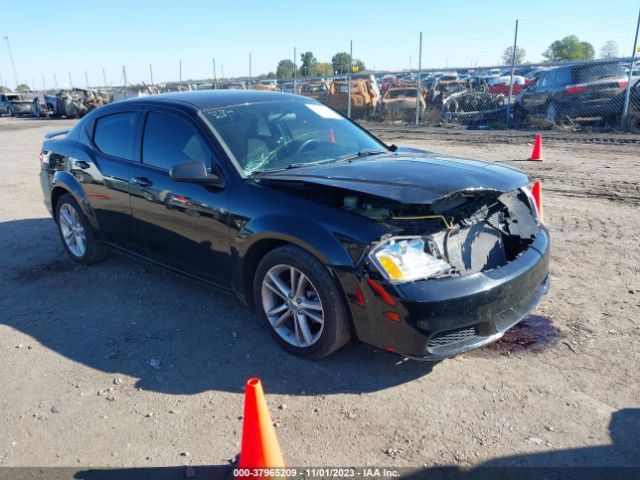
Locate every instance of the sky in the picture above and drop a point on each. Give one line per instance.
(52, 41)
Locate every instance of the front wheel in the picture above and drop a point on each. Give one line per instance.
(299, 303)
(78, 237)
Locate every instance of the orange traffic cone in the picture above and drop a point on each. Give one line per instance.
(536, 154)
(259, 448)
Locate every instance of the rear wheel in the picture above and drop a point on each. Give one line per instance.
(551, 112)
(77, 235)
(299, 303)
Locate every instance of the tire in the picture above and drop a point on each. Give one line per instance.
(319, 291)
(519, 116)
(551, 112)
(69, 217)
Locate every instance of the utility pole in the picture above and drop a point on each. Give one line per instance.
(151, 73)
(249, 67)
(70, 81)
(180, 74)
(349, 77)
(44, 84)
(418, 82)
(625, 108)
(13, 64)
(513, 67)
(215, 80)
(222, 71)
(124, 78)
(104, 77)
(55, 81)
(295, 59)
(86, 79)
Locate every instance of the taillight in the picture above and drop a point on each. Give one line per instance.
(571, 89)
(536, 193)
(623, 83)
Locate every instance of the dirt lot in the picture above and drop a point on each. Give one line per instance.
(76, 343)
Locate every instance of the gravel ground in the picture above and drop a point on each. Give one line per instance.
(125, 364)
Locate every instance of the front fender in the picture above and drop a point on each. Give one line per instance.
(307, 234)
(335, 250)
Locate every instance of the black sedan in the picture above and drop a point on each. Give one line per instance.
(326, 231)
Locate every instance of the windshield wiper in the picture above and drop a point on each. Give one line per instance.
(361, 154)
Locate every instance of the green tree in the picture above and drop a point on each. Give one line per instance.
(5, 89)
(340, 62)
(22, 88)
(609, 50)
(271, 76)
(323, 70)
(507, 56)
(569, 48)
(307, 63)
(285, 68)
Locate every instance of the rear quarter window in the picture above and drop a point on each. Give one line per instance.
(595, 72)
(114, 134)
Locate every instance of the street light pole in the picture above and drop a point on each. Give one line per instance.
(349, 77)
(418, 81)
(13, 64)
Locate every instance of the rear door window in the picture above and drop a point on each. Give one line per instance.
(169, 140)
(115, 134)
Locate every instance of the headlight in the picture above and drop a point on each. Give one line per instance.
(534, 203)
(403, 259)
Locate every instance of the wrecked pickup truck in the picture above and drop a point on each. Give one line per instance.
(326, 231)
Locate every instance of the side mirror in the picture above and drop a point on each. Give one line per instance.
(194, 172)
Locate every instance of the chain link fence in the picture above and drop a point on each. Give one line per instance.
(567, 94)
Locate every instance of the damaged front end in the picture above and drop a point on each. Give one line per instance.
(466, 233)
(451, 272)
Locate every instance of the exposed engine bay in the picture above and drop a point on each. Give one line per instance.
(470, 231)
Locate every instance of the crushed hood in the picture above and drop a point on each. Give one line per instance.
(412, 178)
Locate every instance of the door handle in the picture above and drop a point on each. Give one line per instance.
(142, 181)
(82, 164)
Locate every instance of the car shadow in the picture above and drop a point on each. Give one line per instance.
(618, 461)
(127, 317)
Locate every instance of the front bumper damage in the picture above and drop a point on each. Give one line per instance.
(438, 318)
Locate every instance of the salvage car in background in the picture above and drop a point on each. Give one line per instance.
(573, 91)
(400, 103)
(318, 90)
(325, 230)
(364, 98)
(13, 104)
(75, 102)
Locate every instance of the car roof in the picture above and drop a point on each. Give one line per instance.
(207, 99)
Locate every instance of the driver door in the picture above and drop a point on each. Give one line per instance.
(179, 224)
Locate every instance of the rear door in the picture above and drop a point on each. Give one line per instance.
(103, 171)
(180, 224)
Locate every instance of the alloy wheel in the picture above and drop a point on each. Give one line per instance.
(292, 306)
(72, 230)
